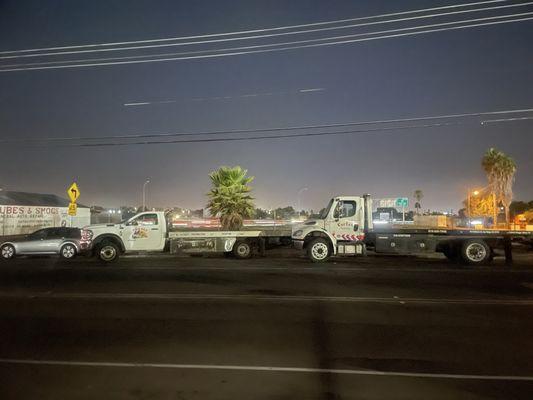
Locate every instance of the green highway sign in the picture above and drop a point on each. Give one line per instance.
(402, 202)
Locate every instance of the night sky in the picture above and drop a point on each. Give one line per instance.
(474, 70)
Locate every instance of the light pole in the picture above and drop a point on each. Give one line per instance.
(144, 194)
(298, 196)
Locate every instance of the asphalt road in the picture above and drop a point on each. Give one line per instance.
(271, 328)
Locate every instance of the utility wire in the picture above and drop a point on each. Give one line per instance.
(285, 136)
(262, 36)
(299, 42)
(254, 30)
(89, 63)
(277, 129)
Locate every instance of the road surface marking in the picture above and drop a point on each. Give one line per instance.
(251, 297)
(266, 369)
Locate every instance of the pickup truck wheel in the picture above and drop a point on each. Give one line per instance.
(7, 252)
(318, 250)
(108, 252)
(242, 250)
(475, 252)
(68, 251)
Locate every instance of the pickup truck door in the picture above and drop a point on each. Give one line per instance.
(144, 232)
(343, 221)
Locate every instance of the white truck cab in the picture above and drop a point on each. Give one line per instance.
(146, 231)
(340, 229)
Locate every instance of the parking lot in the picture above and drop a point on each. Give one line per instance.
(276, 327)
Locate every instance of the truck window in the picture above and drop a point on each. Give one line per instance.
(147, 219)
(347, 209)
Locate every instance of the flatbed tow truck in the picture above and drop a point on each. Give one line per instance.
(345, 228)
(153, 231)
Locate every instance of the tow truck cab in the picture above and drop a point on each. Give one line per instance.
(340, 229)
(146, 231)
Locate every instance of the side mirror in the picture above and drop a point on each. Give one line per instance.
(355, 227)
(132, 223)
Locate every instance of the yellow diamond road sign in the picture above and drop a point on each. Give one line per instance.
(72, 209)
(73, 192)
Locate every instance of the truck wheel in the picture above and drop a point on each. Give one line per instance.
(108, 252)
(8, 252)
(68, 251)
(318, 250)
(475, 252)
(242, 250)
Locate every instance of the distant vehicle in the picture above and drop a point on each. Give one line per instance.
(67, 242)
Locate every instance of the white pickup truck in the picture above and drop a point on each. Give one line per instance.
(151, 232)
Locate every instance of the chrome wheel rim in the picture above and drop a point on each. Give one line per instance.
(108, 253)
(8, 252)
(319, 251)
(476, 252)
(68, 251)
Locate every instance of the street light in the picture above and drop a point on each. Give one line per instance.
(144, 193)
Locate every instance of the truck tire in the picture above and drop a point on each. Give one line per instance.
(108, 252)
(318, 250)
(475, 252)
(68, 251)
(7, 252)
(242, 250)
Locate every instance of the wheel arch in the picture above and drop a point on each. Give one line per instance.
(109, 237)
(323, 234)
(72, 242)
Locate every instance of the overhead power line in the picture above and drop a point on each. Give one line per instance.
(264, 137)
(253, 30)
(262, 36)
(275, 129)
(262, 46)
(232, 52)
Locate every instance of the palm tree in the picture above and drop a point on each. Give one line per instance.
(230, 197)
(500, 170)
(418, 195)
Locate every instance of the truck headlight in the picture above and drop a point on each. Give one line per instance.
(298, 233)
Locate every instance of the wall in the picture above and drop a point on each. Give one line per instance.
(16, 220)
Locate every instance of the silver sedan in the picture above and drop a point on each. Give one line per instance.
(67, 242)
